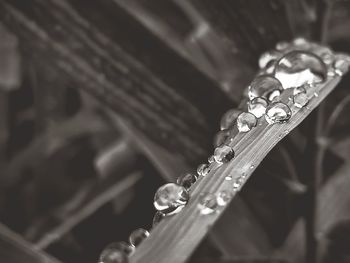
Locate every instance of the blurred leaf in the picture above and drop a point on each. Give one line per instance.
(334, 203)
(338, 243)
(10, 62)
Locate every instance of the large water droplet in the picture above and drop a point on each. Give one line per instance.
(263, 85)
(203, 169)
(170, 198)
(223, 154)
(246, 121)
(223, 198)
(277, 112)
(137, 236)
(116, 253)
(207, 204)
(228, 119)
(297, 68)
(257, 106)
(187, 180)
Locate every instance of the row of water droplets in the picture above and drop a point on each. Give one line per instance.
(299, 65)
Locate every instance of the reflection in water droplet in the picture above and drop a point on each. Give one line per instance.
(223, 198)
(207, 204)
(228, 119)
(277, 112)
(274, 95)
(223, 154)
(298, 68)
(300, 100)
(246, 121)
(263, 85)
(257, 106)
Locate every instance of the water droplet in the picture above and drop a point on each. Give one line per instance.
(298, 90)
(252, 167)
(137, 236)
(116, 253)
(301, 43)
(238, 183)
(300, 100)
(228, 119)
(267, 57)
(257, 106)
(223, 154)
(157, 218)
(223, 198)
(203, 169)
(246, 121)
(316, 94)
(211, 159)
(187, 180)
(263, 85)
(282, 45)
(170, 198)
(297, 68)
(277, 112)
(207, 204)
(222, 137)
(228, 178)
(341, 66)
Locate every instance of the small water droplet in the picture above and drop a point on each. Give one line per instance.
(252, 167)
(238, 183)
(277, 112)
(203, 169)
(157, 218)
(223, 154)
(257, 106)
(300, 100)
(341, 65)
(228, 178)
(116, 253)
(316, 94)
(269, 56)
(222, 137)
(229, 118)
(297, 68)
(171, 198)
(223, 198)
(246, 121)
(207, 204)
(301, 43)
(187, 180)
(298, 90)
(137, 236)
(282, 45)
(211, 159)
(262, 86)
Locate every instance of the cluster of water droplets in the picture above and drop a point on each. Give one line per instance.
(299, 65)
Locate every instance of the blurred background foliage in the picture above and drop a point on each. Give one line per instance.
(103, 101)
